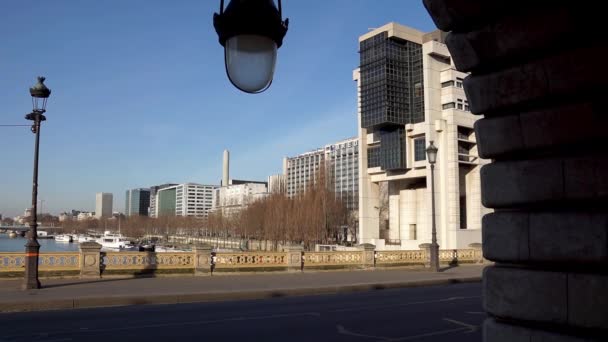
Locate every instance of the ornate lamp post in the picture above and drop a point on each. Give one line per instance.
(431, 152)
(40, 93)
(251, 32)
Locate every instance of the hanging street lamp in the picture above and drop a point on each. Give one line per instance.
(251, 32)
(431, 152)
(40, 93)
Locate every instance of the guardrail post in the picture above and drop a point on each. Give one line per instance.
(368, 251)
(90, 260)
(202, 260)
(294, 258)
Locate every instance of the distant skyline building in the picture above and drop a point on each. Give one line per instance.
(103, 205)
(137, 202)
(339, 161)
(277, 184)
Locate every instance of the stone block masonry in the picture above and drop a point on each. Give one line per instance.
(536, 78)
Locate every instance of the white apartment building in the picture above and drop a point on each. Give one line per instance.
(193, 199)
(340, 161)
(103, 205)
(238, 195)
(409, 94)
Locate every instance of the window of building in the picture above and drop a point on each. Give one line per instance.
(458, 84)
(418, 89)
(447, 84)
(448, 105)
(460, 106)
(419, 149)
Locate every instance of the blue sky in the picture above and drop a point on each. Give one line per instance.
(140, 95)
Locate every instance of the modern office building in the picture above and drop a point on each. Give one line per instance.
(137, 202)
(152, 210)
(188, 199)
(339, 161)
(193, 199)
(409, 94)
(103, 205)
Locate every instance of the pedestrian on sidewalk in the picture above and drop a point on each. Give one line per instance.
(302, 262)
(212, 262)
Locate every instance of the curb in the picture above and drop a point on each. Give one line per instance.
(109, 301)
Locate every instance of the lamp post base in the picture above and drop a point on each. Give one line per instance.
(30, 281)
(434, 253)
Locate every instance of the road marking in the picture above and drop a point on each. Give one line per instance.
(376, 307)
(475, 312)
(343, 331)
(472, 328)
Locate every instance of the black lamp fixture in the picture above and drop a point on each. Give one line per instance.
(251, 32)
(431, 152)
(40, 94)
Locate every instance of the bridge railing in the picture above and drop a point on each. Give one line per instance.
(92, 262)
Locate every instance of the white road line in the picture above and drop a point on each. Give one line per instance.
(343, 331)
(376, 307)
(472, 328)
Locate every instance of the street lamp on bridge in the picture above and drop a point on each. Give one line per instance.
(251, 32)
(431, 152)
(40, 93)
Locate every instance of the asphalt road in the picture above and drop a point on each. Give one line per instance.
(435, 313)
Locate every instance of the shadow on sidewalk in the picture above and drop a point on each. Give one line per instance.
(79, 282)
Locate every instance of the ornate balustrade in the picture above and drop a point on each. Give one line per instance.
(333, 258)
(55, 261)
(251, 260)
(90, 262)
(400, 257)
(146, 260)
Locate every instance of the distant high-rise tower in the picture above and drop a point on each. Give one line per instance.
(226, 168)
(137, 202)
(103, 205)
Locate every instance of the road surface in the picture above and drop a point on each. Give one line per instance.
(435, 313)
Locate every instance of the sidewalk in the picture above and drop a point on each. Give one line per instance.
(74, 293)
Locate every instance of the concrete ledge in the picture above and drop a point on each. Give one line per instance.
(503, 332)
(108, 301)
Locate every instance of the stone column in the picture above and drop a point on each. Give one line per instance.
(536, 78)
(202, 260)
(426, 247)
(90, 263)
(368, 259)
(294, 258)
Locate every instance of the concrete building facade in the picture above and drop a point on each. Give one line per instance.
(103, 205)
(409, 94)
(137, 202)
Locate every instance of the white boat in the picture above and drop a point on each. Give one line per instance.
(165, 249)
(114, 241)
(64, 238)
(85, 238)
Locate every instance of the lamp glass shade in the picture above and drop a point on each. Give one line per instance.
(431, 153)
(250, 62)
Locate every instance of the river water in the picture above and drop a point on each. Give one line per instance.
(46, 245)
